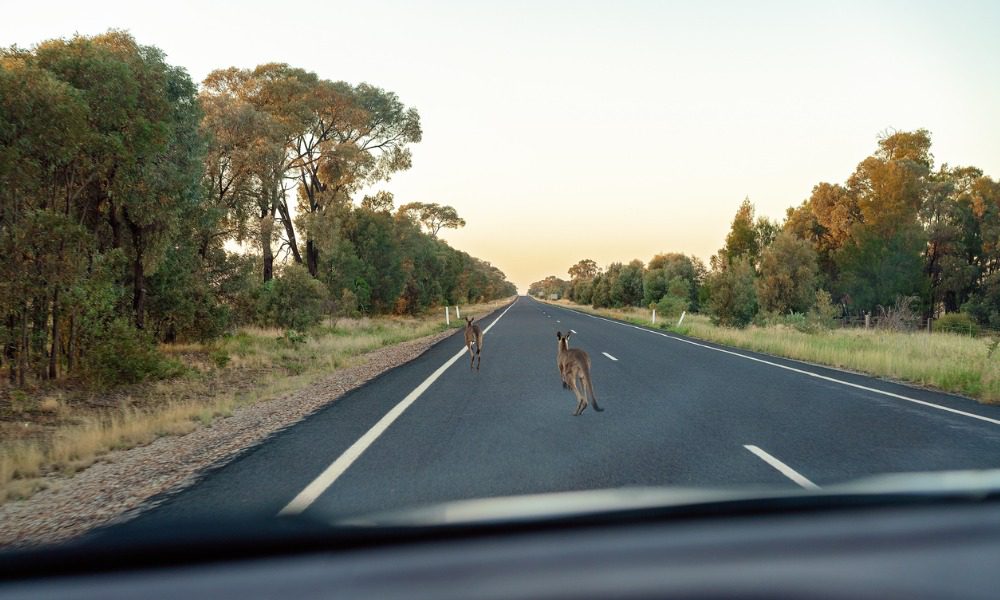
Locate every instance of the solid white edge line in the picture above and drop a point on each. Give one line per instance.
(782, 468)
(804, 372)
(307, 496)
(609, 356)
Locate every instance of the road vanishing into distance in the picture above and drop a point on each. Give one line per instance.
(678, 412)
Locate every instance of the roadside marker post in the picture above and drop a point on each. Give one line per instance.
(654, 316)
(681, 320)
(447, 317)
(458, 315)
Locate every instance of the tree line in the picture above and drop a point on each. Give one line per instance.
(899, 231)
(122, 182)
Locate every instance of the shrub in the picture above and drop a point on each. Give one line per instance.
(671, 306)
(823, 314)
(123, 354)
(220, 357)
(293, 338)
(293, 300)
(787, 275)
(900, 317)
(956, 323)
(733, 297)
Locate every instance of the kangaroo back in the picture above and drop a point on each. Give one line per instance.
(574, 365)
(473, 342)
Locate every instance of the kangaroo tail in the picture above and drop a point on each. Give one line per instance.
(593, 398)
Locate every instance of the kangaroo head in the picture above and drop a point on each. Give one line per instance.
(468, 321)
(563, 340)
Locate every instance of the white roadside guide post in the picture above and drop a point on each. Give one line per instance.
(654, 316)
(447, 317)
(681, 320)
(458, 315)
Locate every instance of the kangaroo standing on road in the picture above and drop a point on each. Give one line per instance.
(574, 364)
(473, 336)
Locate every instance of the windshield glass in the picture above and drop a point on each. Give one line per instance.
(365, 258)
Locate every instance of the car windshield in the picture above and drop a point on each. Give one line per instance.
(349, 260)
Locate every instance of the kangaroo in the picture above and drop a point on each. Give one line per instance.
(574, 364)
(473, 336)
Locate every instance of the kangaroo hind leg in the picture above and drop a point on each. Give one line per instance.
(581, 399)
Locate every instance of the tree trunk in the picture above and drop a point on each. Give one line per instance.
(312, 257)
(139, 292)
(22, 355)
(266, 225)
(286, 220)
(10, 348)
(54, 353)
(70, 342)
(138, 274)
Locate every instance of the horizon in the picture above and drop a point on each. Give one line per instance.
(611, 134)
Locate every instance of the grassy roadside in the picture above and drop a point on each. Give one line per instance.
(945, 361)
(62, 431)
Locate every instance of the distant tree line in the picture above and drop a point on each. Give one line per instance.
(898, 232)
(121, 183)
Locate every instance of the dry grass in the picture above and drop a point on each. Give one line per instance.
(253, 365)
(945, 361)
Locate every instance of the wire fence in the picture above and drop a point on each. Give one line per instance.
(927, 325)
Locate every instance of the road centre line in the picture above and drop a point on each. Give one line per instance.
(782, 468)
(804, 372)
(307, 496)
(609, 356)
(572, 331)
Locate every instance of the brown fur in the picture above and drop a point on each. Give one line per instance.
(473, 335)
(574, 364)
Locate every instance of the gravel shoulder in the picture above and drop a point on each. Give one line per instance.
(122, 484)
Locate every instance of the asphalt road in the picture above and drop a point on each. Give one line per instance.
(677, 412)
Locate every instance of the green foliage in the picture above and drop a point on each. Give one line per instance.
(671, 306)
(293, 338)
(787, 280)
(823, 312)
(220, 357)
(183, 303)
(293, 299)
(120, 187)
(625, 284)
(733, 299)
(120, 353)
(875, 270)
(960, 323)
(984, 305)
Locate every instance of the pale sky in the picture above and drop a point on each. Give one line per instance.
(607, 130)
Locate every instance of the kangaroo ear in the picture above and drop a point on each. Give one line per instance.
(559, 335)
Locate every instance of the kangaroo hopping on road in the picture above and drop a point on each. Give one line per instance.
(473, 336)
(574, 364)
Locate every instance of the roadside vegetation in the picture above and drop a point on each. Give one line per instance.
(854, 276)
(61, 430)
(170, 250)
(948, 361)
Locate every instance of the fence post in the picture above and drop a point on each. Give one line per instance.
(929, 319)
(868, 320)
(654, 316)
(681, 320)
(447, 317)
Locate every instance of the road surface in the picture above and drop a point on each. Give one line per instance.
(678, 412)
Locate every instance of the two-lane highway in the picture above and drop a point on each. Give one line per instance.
(677, 412)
